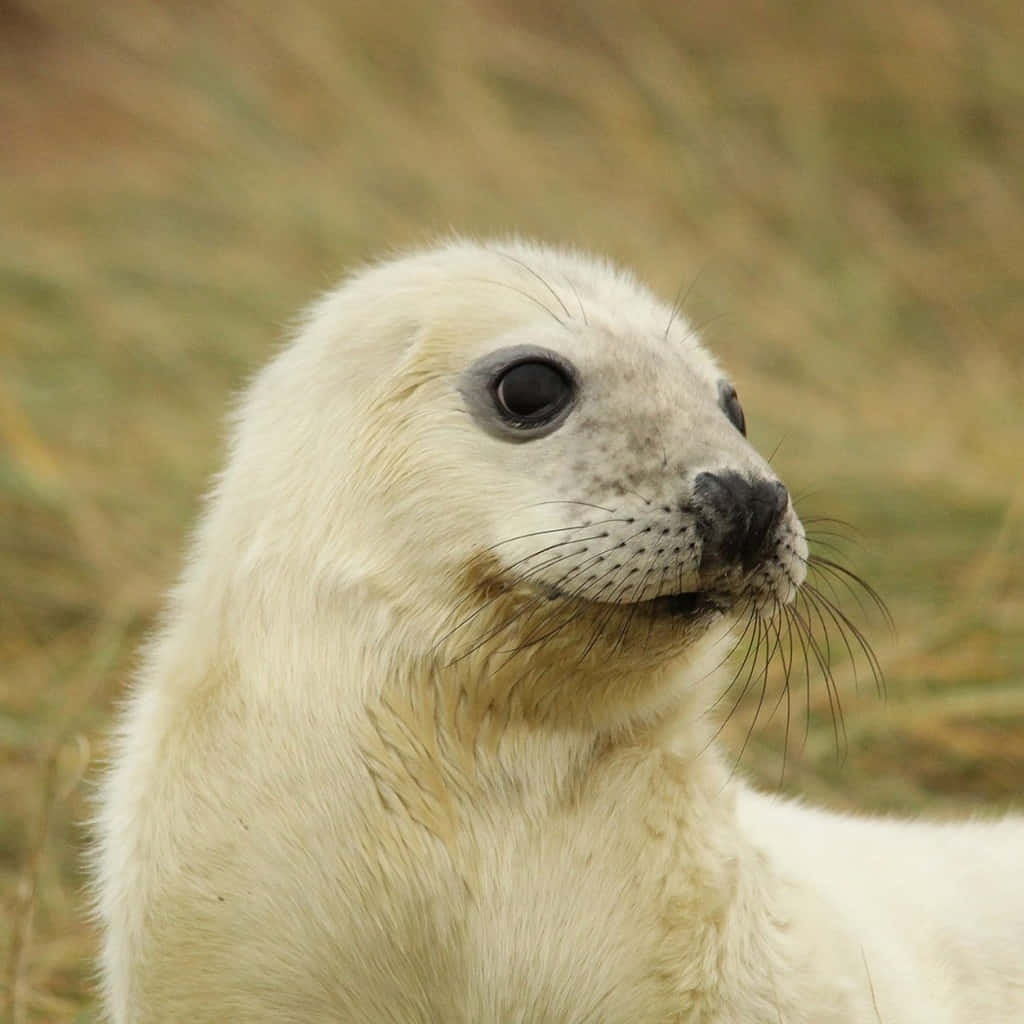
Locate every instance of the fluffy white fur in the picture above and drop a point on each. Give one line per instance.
(337, 795)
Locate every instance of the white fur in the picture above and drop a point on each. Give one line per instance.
(330, 801)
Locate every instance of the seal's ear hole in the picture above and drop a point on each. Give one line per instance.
(531, 392)
(730, 404)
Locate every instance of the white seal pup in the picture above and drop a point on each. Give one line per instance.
(423, 736)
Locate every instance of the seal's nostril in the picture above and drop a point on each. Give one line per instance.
(737, 517)
(766, 504)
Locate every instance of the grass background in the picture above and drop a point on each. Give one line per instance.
(841, 186)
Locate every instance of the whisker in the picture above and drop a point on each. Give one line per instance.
(834, 702)
(579, 301)
(699, 330)
(557, 529)
(681, 297)
(787, 671)
(821, 601)
(650, 622)
(529, 608)
(526, 295)
(751, 617)
(573, 595)
(529, 641)
(845, 625)
(754, 653)
(775, 450)
(753, 621)
(646, 501)
(839, 570)
(566, 501)
(774, 621)
(534, 273)
(533, 554)
(502, 592)
(813, 529)
(815, 540)
(613, 606)
(637, 590)
(769, 653)
(812, 653)
(847, 529)
(794, 627)
(828, 580)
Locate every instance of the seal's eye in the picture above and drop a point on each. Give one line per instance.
(520, 393)
(731, 406)
(532, 392)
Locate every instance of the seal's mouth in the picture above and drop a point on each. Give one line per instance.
(683, 607)
(678, 606)
(688, 607)
(694, 605)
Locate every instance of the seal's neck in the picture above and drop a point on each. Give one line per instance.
(533, 727)
(531, 718)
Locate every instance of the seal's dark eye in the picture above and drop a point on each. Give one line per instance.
(531, 392)
(731, 406)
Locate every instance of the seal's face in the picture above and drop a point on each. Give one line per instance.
(503, 443)
(627, 483)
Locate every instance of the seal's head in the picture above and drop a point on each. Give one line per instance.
(510, 451)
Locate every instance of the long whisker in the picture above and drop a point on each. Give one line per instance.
(769, 653)
(681, 296)
(751, 619)
(531, 640)
(534, 273)
(831, 526)
(816, 561)
(557, 529)
(815, 539)
(813, 530)
(787, 672)
(753, 653)
(613, 606)
(845, 625)
(822, 660)
(579, 301)
(526, 609)
(558, 585)
(751, 623)
(638, 589)
(526, 295)
(794, 627)
(775, 450)
(533, 554)
(529, 608)
(822, 602)
(699, 330)
(563, 501)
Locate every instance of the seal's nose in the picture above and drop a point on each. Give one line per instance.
(737, 517)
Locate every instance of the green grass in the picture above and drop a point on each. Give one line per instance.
(841, 186)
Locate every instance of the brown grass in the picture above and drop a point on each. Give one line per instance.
(843, 181)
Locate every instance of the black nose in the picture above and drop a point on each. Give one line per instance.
(736, 518)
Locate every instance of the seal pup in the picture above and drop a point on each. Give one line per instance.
(423, 736)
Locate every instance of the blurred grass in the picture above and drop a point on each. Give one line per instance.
(844, 182)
